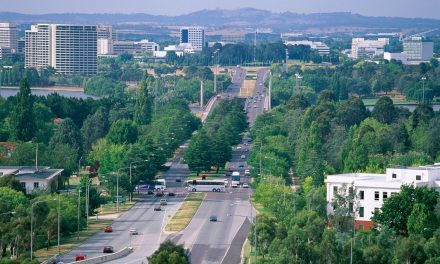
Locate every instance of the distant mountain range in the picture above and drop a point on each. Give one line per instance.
(245, 17)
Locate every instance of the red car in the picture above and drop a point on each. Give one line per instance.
(80, 257)
(108, 229)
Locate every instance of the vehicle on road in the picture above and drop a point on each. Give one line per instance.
(213, 218)
(157, 207)
(150, 192)
(160, 184)
(245, 185)
(80, 257)
(255, 106)
(133, 231)
(238, 147)
(226, 182)
(247, 172)
(108, 249)
(243, 156)
(178, 180)
(171, 194)
(235, 179)
(163, 202)
(205, 186)
(108, 229)
(241, 166)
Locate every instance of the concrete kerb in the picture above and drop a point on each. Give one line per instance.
(102, 259)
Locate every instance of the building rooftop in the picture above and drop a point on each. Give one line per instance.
(28, 172)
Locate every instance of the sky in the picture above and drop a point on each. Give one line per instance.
(400, 8)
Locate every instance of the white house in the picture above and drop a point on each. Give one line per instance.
(373, 189)
(32, 178)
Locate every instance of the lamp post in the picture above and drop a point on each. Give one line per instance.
(131, 193)
(423, 89)
(32, 226)
(79, 204)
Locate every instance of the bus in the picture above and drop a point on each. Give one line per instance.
(235, 179)
(159, 185)
(205, 186)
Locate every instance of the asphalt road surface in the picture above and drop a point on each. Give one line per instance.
(255, 105)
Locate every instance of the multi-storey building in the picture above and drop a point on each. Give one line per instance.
(9, 36)
(106, 32)
(373, 189)
(68, 48)
(5, 53)
(417, 49)
(105, 46)
(233, 38)
(195, 36)
(368, 48)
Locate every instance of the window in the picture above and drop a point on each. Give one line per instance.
(376, 196)
(36, 184)
(335, 189)
(394, 175)
(418, 177)
(384, 195)
(361, 195)
(361, 212)
(23, 185)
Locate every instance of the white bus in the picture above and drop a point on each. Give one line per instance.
(235, 179)
(205, 186)
(159, 185)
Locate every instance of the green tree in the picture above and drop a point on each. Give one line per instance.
(22, 118)
(122, 132)
(143, 109)
(198, 155)
(10, 182)
(94, 127)
(67, 133)
(170, 253)
(418, 220)
(384, 110)
(351, 112)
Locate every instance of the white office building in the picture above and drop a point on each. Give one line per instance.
(373, 189)
(9, 37)
(368, 48)
(418, 49)
(195, 36)
(68, 48)
(148, 46)
(106, 32)
(399, 56)
(322, 48)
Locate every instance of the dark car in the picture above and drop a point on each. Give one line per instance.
(157, 208)
(108, 249)
(213, 218)
(171, 194)
(178, 180)
(159, 193)
(150, 192)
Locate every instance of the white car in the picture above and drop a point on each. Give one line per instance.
(243, 156)
(245, 185)
(247, 172)
(255, 106)
(133, 231)
(238, 147)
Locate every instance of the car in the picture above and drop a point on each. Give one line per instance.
(213, 218)
(241, 166)
(171, 194)
(255, 106)
(163, 202)
(243, 156)
(249, 105)
(150, 192)
(178, 180)
(247, 172)
(245, 185)
(157, 207)
(226, 182)
(108, 229)
(108, 249)
(159, 194)
(238, 147)
(246, 149)
(133, 231)
(80, 257)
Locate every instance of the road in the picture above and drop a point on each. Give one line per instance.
(255, 105)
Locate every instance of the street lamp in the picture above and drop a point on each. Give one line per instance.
(423, 89)
(32, 227)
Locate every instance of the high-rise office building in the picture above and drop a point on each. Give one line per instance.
(195, 36)
(417, 49)
(67, 48)
(106, 32)
(367, 48)
(9, 36)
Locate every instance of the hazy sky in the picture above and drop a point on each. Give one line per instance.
(403, 8)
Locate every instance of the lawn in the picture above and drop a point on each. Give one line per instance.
(185, 213)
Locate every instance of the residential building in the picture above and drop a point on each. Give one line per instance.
(367, 48)
(34, 178)
(418, 49)
(233, 38)
(373, 189)
(67, 48)
(5, 53)
(9, 36)
(322, 48)
(195, 36)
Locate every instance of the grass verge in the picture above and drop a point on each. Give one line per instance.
(185, 213)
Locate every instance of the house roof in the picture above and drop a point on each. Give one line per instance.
(26, 172)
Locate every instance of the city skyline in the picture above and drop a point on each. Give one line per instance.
(407, 8)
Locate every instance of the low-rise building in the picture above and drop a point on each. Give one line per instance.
(368, 48)
(373, 189)
(400, 56)
(34, 178)
(322, 48)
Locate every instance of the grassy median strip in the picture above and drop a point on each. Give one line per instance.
(185, 213)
